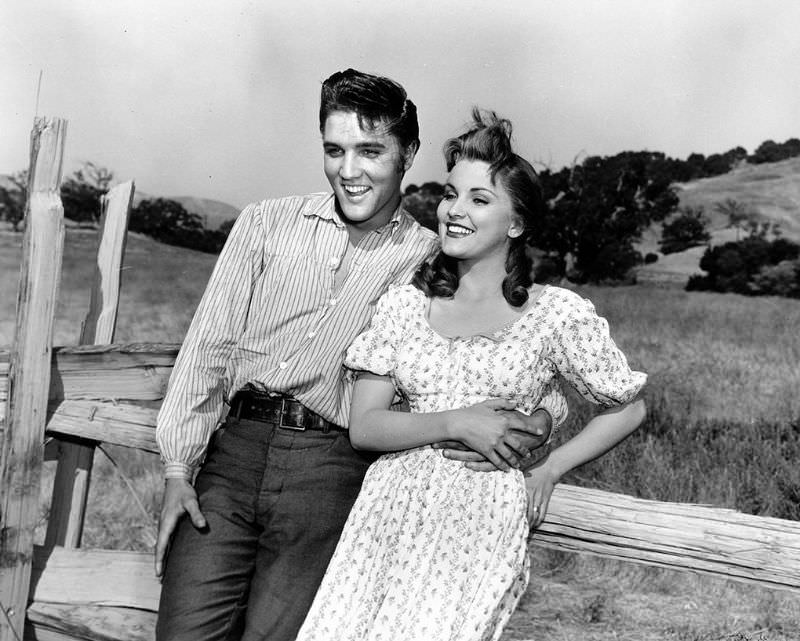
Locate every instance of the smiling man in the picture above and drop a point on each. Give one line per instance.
(250, 537)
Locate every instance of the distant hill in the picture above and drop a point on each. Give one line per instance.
(770, 190)
(212, 212)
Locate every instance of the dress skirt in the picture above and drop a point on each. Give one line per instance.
(431, 551)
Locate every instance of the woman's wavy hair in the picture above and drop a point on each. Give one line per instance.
(488, 139)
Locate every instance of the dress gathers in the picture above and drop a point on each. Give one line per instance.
(433, 551)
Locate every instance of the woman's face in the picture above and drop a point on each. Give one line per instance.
(476, 219)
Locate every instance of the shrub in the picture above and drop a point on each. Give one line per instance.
(752, 266)
(782, 279)
(687, 229)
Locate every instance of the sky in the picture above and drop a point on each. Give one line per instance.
(220, 99)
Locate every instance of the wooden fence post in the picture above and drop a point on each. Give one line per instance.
(73, 473)
(29, 372)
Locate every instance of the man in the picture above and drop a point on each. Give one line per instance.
(296, 282)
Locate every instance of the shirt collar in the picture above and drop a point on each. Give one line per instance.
(326, 210)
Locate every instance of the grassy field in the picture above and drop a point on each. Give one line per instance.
(723, 428)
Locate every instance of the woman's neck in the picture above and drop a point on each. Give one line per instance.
(480, 280)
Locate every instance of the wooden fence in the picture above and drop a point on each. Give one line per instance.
(101, 392)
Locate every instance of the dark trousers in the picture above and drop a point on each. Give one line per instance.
(275, 501)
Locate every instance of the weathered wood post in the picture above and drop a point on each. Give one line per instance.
(29, 372)
(73, 473)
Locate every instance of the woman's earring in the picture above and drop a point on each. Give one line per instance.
(514, 232)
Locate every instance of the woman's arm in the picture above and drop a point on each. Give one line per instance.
(603, 432)
(373, 426)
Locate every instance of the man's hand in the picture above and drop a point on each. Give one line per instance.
(179, 498)
(530, 432)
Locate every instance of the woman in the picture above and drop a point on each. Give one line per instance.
(433, 550)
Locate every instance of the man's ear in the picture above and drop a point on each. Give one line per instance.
(409, 154)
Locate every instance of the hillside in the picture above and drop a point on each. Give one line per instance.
(212, 212)
(770, 190)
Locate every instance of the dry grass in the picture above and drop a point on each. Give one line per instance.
(161, 286)
(710, 355)
(622, 602)
(723, 388)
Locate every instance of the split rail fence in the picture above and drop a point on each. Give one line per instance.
(60, 403)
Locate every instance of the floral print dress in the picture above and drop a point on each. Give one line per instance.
(433, 551)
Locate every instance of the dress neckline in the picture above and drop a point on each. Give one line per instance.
(487, 333)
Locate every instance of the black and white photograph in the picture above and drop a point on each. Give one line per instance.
(400, 321)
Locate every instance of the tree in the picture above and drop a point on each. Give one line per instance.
(165, 220)
(226, 226)
(771, 151)
(12, 200)
(739, 216)
(687, 229)
(422, 202)
(81, 192)
(598, 208)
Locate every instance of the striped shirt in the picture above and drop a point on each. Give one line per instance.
(270, 316)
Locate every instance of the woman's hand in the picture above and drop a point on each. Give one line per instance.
(539, 482)
(488, 428)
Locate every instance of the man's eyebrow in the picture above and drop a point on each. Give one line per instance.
(376, 144)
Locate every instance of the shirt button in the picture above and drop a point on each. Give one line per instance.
(332, 302)
(283, 364)
(333, 261)
(311, 334)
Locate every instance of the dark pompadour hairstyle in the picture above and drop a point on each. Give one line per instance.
(488, 139)
(375, 100)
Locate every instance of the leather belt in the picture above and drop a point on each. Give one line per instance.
(281, 410)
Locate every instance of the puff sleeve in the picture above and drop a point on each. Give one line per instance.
(375, 349)
(586, 356)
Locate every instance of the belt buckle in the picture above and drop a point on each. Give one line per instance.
(284, 411)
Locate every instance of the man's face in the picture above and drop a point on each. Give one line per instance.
(365, 169)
